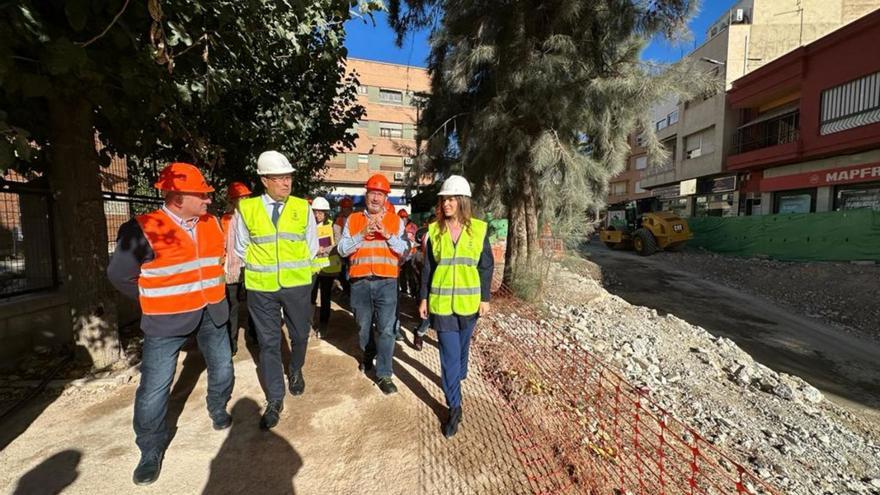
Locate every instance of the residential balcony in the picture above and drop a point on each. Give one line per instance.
(772, 139)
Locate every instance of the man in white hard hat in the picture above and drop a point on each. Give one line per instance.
(277, 239)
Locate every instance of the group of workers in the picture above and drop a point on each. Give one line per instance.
(184, 267)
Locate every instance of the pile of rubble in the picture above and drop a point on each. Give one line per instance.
(780, 426)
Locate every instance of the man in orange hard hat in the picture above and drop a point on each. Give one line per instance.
(169, 260)
(234, 266)
(373, 241)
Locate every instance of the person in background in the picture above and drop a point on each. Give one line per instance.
(455, 286)
(346, 207)
(234, 266)
(418, 266)
(327, 263)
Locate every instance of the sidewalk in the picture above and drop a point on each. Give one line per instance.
(342, 436)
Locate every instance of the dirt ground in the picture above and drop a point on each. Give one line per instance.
(341, 436)
(841, 364)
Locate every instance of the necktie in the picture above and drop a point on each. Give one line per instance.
(276, 212)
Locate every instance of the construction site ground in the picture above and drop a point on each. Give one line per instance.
(772, 310)
(342, 436)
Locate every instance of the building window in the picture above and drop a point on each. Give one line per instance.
(638, 187)
(640, 140)
(801, 201)
(851, 105)
(362, 90)
(679, 206)
(699, 144)
(618, 188)
(642, 162)
(714, 205)
(672, 118)
(388, 96)
(857, 197)
(363, 159)
(661, 124)
(391, 130)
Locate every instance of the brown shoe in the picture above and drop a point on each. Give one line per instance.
(418, 342)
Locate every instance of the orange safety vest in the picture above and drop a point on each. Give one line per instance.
(186, 274)
(373, 257)
(224, 222)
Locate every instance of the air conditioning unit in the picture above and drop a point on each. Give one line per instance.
(398, 175)
(408, 161)
(694, 153)
(739, 15)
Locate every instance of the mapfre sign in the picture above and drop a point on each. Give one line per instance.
(831, 177)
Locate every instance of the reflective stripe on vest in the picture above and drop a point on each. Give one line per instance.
(185, 273)
(455, 285)
(373, 257)
(276, 257)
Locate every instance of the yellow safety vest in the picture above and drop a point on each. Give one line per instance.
(331, 264)
(455, 285)
(276, 258)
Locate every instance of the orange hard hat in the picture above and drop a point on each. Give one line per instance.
(379, 183)
(403, 214)
(237, 190)
(182, 177)
(346, 202)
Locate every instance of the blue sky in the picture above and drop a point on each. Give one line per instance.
(377, 42)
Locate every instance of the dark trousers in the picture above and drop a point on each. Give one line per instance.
(377, 296)
(265, 309)
(234, 294)
(454, 351)
(157, 373)
(325, 285)
(408, 279)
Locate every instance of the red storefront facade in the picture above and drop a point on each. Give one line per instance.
(809, 133)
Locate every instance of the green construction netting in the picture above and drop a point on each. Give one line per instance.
(834, 236)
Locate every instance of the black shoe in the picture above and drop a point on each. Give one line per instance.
(451, 426)
(366, 364)
(221, 419)
(399, 337)
(386, 385)
(418, 342)
(272, 415)
(148, 469)
(297, 384)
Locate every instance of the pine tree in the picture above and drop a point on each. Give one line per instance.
(542, 96)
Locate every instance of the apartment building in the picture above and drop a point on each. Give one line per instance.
(808, 134)
(386, 135)
(700, 133)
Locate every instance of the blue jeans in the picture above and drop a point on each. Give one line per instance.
(157, 373)
(379, 295)
(454, 350)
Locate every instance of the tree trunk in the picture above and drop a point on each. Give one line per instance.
(523, 248)
(76, 186)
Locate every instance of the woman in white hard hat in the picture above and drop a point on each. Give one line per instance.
(456, 279)
(327, 264)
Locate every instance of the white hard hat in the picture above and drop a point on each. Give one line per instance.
(321, 204)
(273, 163)
(455, 185)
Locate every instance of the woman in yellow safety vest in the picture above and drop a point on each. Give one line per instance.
(327, 264)
(456, 278)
